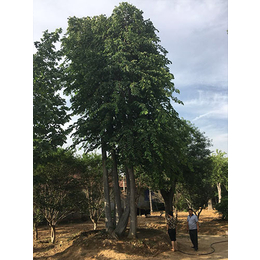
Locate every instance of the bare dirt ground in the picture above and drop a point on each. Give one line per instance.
(80, 242)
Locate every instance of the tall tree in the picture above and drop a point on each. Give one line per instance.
(142, 86)
(49, 108)
(118, 75)
(87, 82)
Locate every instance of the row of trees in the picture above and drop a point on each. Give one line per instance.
(73, 184)
(120, 86)
(67, 184)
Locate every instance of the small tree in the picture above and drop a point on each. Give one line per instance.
(197, 190)
(37, 218)
(222, 207)
(58, 188)
(196, 169)
(219, 175)
(93, 186)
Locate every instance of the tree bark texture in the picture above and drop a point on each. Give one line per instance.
(210, 204)
(108, 217)
(219, 192)
(133, 215)
(35, 230)
(123, 221)
(53, 233)
(116, 188)
(151, 202)
(94, 220)
(168, 198)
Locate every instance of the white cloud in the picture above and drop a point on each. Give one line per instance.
(205, 104)
(221, 113)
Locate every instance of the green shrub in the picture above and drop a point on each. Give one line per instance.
(223, 207)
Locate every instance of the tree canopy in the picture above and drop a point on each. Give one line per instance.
(49, 108)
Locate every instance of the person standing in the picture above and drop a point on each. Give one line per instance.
(193, 228)
(171, 228)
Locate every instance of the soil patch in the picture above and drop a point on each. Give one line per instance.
(79, 241)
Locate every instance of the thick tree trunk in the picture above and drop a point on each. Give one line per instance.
(114, 215)
(116, 188)
(133, 216)
(219, 192)
(53, 233)
(175, 203)
(123, 221)
(122, 224)
(168, 198)
(108, 217)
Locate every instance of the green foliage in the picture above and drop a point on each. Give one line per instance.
(38, 217)
(142, 82)
(121, 87)
(220, 168)
(87, 79)
(49, 109)
(57, 186)
(92, 178)
(195, 182)
(223, 207)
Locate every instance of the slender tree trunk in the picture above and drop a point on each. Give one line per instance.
(95, 226)
(219, 192)
(93, 218)
(210, 204)
(116, 188)
(53, 233)
(35, 230)
(124, 189)
(133, 217)
(108, 217)
(150, 200)
(198, 215)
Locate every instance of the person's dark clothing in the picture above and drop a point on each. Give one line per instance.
(171, 228)
(194, 238)
(192, 221)
(172, 234)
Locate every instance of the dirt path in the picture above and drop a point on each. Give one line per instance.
(77, 241)
(210, 247)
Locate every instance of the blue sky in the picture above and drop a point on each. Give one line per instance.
(194, 32)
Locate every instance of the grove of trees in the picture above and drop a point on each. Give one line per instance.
(116, 74)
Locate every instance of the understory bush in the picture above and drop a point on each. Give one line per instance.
(223, 207)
